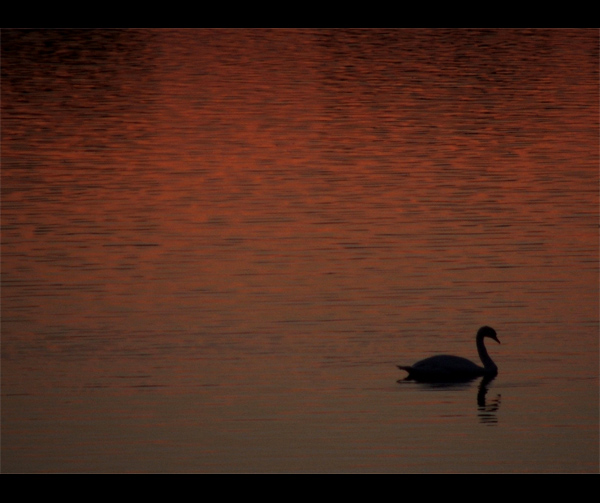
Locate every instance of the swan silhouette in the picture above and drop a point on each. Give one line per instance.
(455, 368)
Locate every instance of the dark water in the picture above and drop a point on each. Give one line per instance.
(217, 245)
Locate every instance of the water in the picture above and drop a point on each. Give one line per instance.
(218, 244)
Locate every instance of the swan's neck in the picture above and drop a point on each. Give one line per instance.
(488, 363)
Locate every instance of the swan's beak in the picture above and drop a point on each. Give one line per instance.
(496, 339)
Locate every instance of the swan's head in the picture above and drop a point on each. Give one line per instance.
(488, 332)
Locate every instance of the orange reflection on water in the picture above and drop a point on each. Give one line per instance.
(234, 225)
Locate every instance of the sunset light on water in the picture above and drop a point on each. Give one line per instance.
(218, 245)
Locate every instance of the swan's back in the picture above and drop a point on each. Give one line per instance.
(443, 367)
(446, 363)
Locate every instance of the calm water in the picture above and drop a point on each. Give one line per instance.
(217, 245)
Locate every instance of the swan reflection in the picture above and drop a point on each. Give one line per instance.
(486, 407)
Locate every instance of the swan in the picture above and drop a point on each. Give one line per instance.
(448, 367)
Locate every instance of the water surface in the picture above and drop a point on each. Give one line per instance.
(217, 245)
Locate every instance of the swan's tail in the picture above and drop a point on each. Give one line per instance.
(408, 369)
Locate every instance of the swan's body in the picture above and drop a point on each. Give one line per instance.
(448, 367)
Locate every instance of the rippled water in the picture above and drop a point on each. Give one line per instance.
(218, 244)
